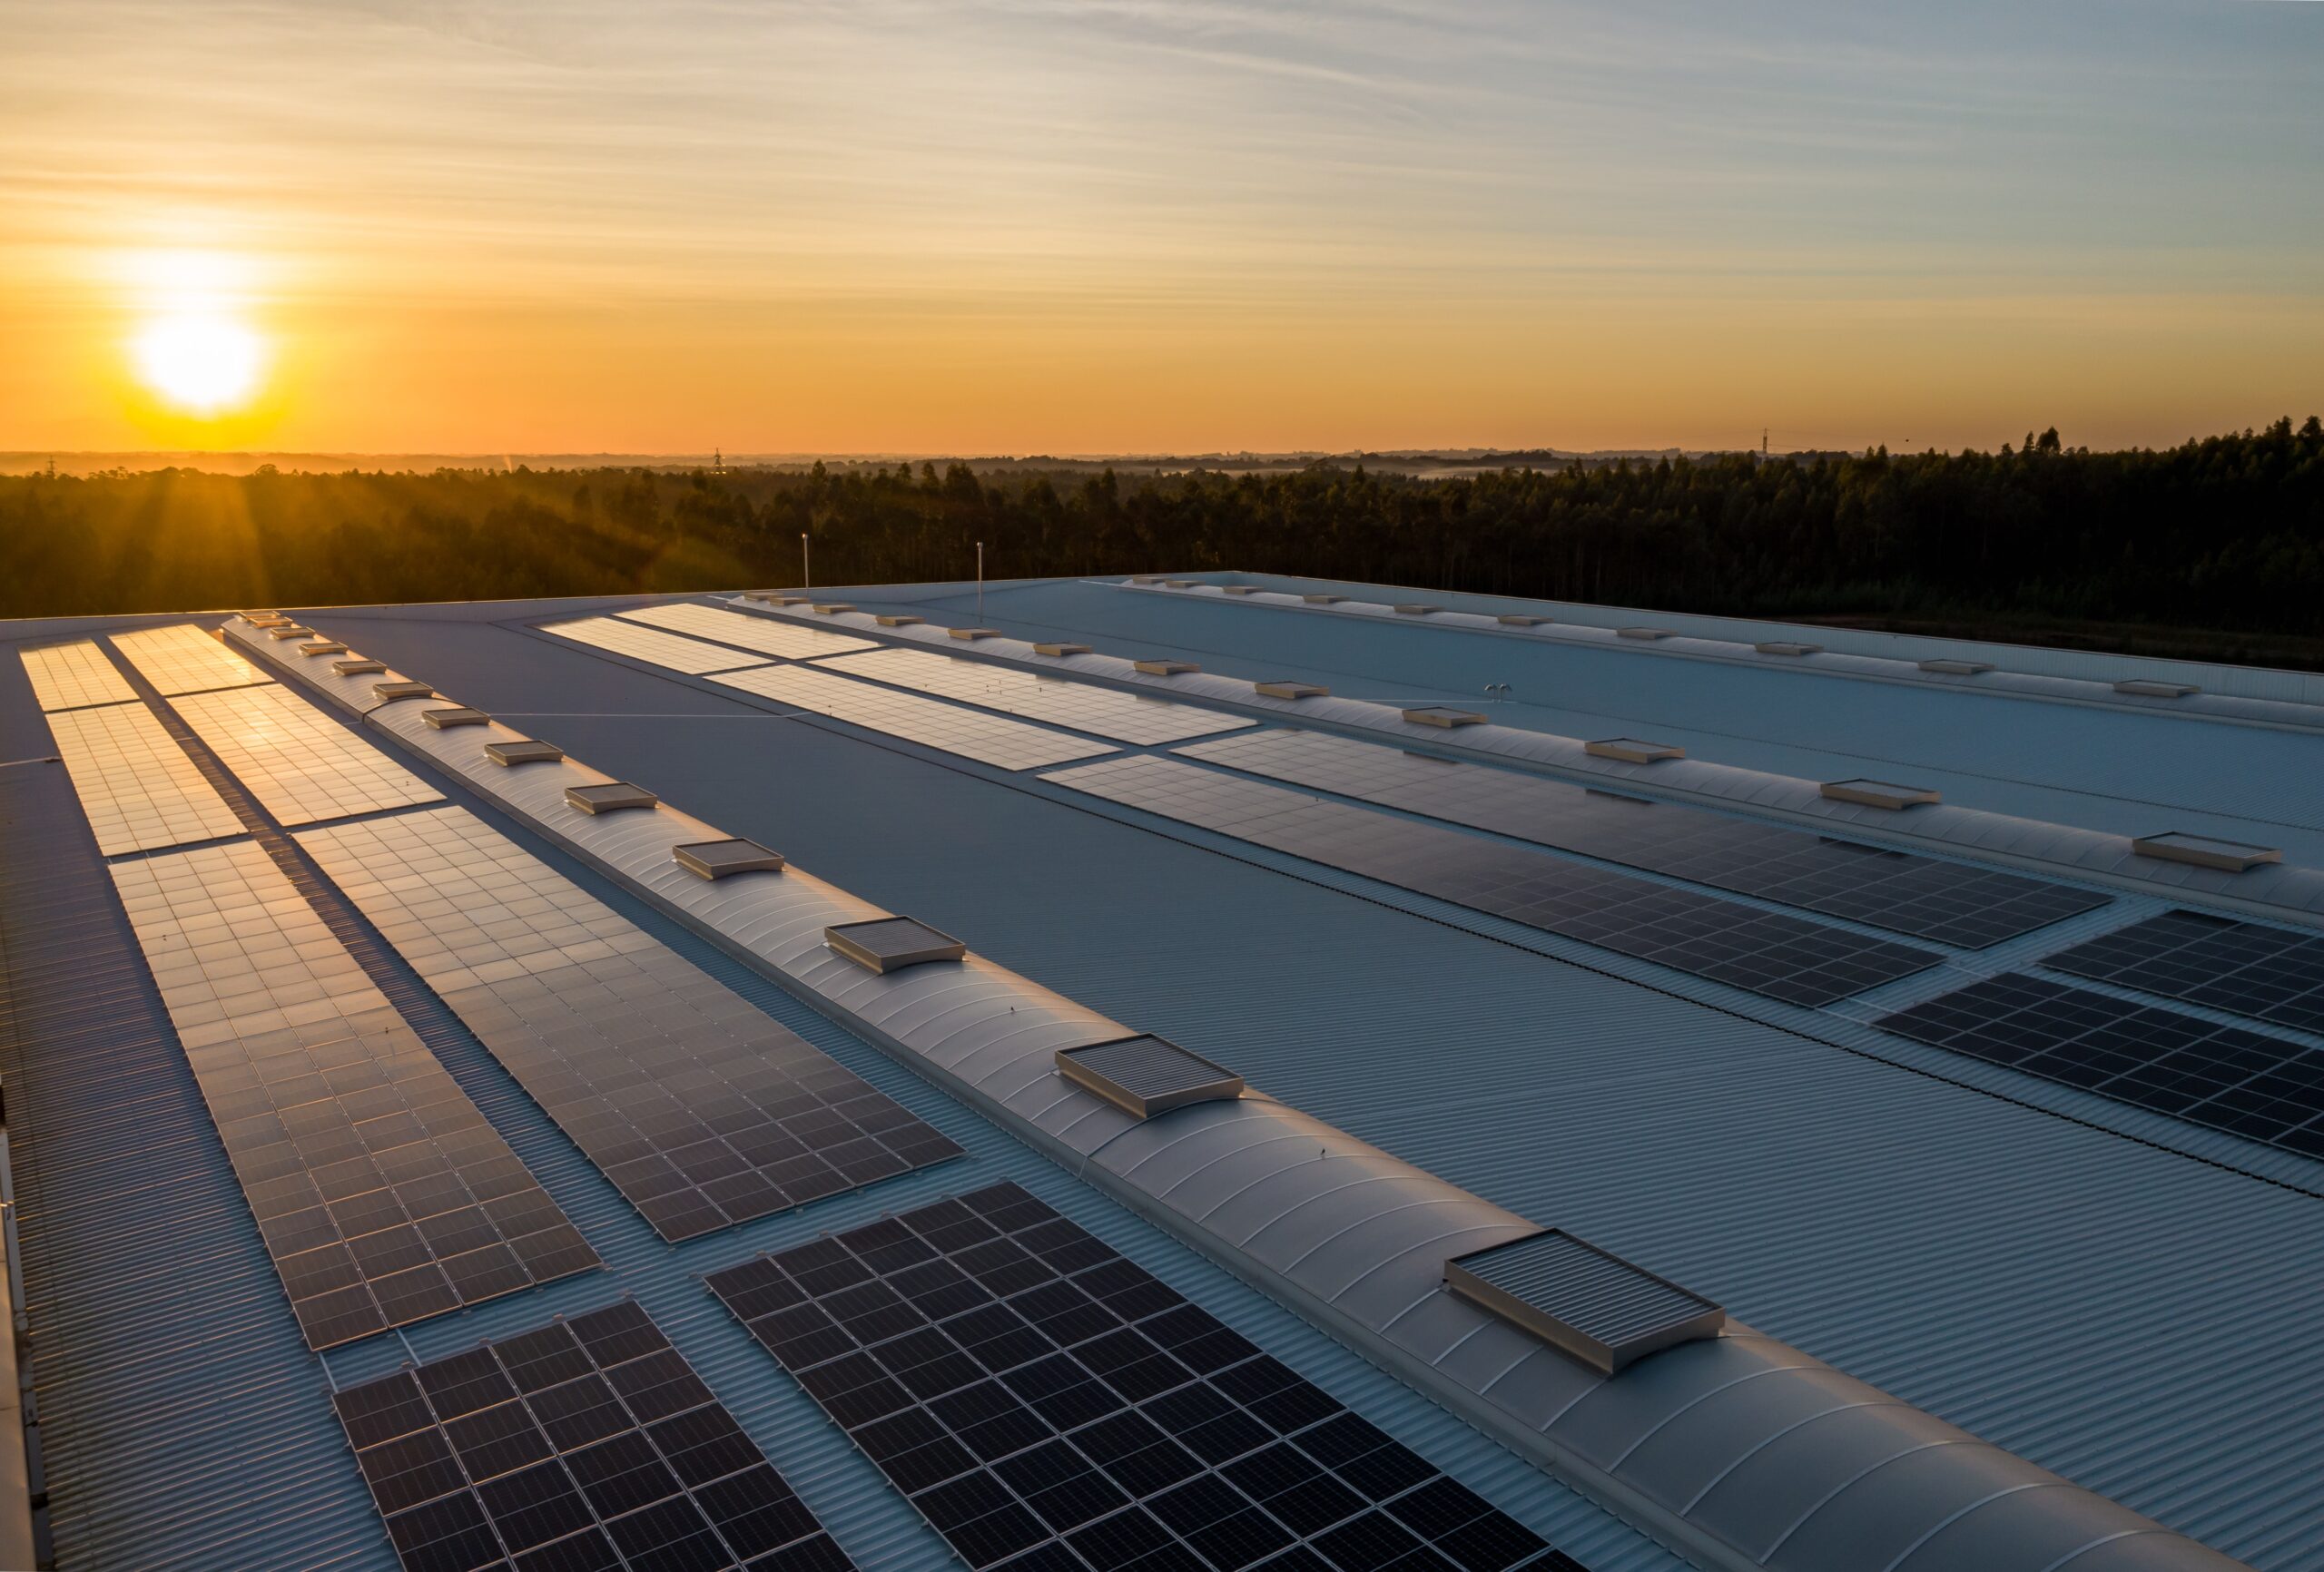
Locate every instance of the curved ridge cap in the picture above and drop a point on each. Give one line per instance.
(1704, 1543)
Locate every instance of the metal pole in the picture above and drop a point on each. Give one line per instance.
(979, 581)
(806, 578)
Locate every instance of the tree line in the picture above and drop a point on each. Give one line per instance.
(2226, 532)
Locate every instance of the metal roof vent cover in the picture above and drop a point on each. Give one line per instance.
(1060, 649)
(1632, 749)
(1520, 620)
(289, 631)
(714, 859)
(1444, 716)
(456, 715)
(1586, 1302)
(357, 666)
(1290, 690)
(1953, 668)
(974, 633)
(898, 620)
(1642, 633)
(1885, 794)
(1323, 600)
(1787, 647)
(313, 647)
(2204, 851)
(887, 944)
(1146, 1075)
(2145, 688)
(1161, 668)
(387, 692)
(1417, 609)
(610, 797)
(1241, 589)
(523, 751)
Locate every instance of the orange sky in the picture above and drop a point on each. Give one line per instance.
(907, 225)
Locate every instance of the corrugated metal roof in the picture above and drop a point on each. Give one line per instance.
(189, 1424)
(2003, 1267)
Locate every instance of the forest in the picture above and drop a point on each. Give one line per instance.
(2215, 546)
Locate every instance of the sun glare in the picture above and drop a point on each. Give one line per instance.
(204, 364)
(195, 350)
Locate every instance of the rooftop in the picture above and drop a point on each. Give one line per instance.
(1970, 1233)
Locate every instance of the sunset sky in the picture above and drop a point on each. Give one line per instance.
(915, 226)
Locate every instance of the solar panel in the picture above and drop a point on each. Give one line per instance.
(1061, 701)
(301, 764)
(765, 635)
(1044, 1403)
(1583, 1300)
(587, 1445)
(75, 676)
(2224, 1077)
(2266, 974)
(1766, 952)
(650, 645)
(1005, 744)
(382, 1193)
(139, 789)
(699, 1108)
(185, 659)
(1948, 902)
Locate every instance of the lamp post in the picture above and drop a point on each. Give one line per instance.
(979, 581)
(806, 578)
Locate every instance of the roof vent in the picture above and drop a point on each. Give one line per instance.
(267, 620)
(1060, 649)
(457, 715)
(523, 751)
(973, 635)
(2145, 689)
(254, 618)
(1443, 715)
(1584, 1302)
(1642, 633)
(2204, 851)
(1518, 620)
(611, 797)
(388, 692)
(291, 631)
(1146, 1076)
(1786, 647)
(1179, 583)
(357, 666)
(1241, 589)
(1323, 600)
(888, 944)
(1879, 794)
(717, 859)
(831, 608)
(774, 597)
(1291, 691)
(898, 620)
(1957, 668)
(1165, 668)
(1146, 578)
(322, 647)
(1417, 609)
(1630, 751)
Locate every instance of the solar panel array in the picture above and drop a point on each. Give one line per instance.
(1766, 952)
(587, 1445)
(382, 1193)
(702, 1110)
(1920, 896)
(185, 659)
(2266, 974)
(75, 676)
(1126, 716)
(650, 645)
(763, 634)
(140, 790)
(1050, 1406)
(992, 740)
(2223, 1076)
(301, 764)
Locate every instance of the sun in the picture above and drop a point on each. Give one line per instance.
(202, 362)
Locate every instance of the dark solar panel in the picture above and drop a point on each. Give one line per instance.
(587, 1444)
(700, 1108)
(1948, 902)
(2223, 1076)
(382, 1192)
(2267, 974)
(1766, 952)
(1046, 1404)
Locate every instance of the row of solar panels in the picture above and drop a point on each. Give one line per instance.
(454, 899)
(1760, 951)
(1948, 669)
(1359, 1250)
